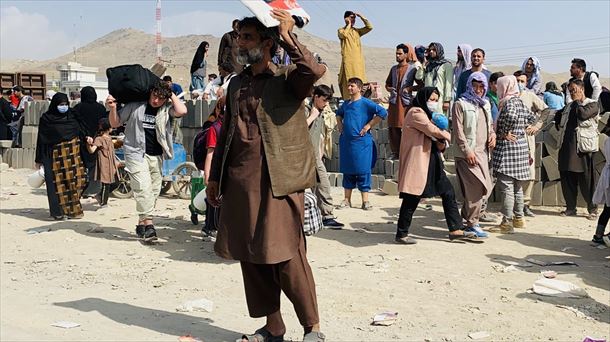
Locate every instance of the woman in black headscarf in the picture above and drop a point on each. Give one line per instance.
(421, 172)
(88, 113)
(58, 150)
(198, 66)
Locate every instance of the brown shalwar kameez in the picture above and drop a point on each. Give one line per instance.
(475, 181)
(263, 232)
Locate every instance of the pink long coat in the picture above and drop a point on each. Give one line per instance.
(415, 147)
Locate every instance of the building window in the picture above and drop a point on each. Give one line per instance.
(63, 75)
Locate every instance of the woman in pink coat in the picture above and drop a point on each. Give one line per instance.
(421, 173)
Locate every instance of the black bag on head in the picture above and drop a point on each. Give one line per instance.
(130, 83)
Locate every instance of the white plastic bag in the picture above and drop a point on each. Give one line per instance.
(36, 179)
(558, 288)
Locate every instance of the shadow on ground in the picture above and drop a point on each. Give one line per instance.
(182, 241)
(170, 323)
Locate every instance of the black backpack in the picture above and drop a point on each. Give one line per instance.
(130, 83)
(199, 150)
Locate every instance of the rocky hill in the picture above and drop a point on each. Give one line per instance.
(130, 46)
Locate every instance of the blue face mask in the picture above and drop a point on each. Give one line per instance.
(63, 108)
(521, 87)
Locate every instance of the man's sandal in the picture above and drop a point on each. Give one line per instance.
(314, 336)
(262, 335)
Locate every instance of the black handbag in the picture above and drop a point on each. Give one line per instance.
(130, 83)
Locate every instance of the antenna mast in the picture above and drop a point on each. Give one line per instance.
(158, 38)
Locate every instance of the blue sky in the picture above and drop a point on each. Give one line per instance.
(507, 30)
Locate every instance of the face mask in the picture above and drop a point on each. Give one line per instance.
(63, 109)
(432, 106)
(521, 87)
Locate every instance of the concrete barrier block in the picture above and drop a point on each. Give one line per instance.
(339, 178)
(388, 166)
(29, 136)
(332, 178)
(390, 187)
(374, 182)
(537, 194)
(381, 181)
(549, 193)
(395, 169)
(550, 167)
(456, 187)
(538, 155)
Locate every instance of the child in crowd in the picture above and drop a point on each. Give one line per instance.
(106, 170)
(211, 137)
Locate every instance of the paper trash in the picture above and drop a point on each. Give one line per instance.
(558, 288)
(262, 8)
(385, 318)
(196, 305)
(65, 324)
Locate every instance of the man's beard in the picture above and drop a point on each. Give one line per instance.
(252, 56)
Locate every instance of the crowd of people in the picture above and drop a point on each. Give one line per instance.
(265, 144)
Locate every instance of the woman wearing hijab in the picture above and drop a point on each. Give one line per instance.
(531, 68)
(88, 113)
(553, 97)
(439, 74)
(58, 150)
(421, 173)
(473, 139)
(199, 66)
(511, 161)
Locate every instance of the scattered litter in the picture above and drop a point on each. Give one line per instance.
(553, 263)
(590, 339)
(504, 269)
(548, 274)
(478, 335)
(162, 215)
(95, 230)
(26, 211)
(558, 288)
(601, 247)
(189, 338)
(577, 312)
(196, 305)
(565, 249)
(386, 318)
(65, 324)
(116, 236)
(38, 230)
(369, 263)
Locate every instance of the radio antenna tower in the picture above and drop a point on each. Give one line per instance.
(158, 38)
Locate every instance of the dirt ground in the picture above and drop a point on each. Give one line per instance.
(118, 289)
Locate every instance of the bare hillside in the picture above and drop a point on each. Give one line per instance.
(130, 46)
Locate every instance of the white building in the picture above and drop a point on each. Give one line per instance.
(73, 77)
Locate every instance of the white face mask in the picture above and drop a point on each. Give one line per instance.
(432, 106)
(63, 109)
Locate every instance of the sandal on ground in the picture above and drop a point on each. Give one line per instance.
(406, 240)
(592, 216)
(314, 336)
(466, 235)
(568, 213)
(263, 335)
